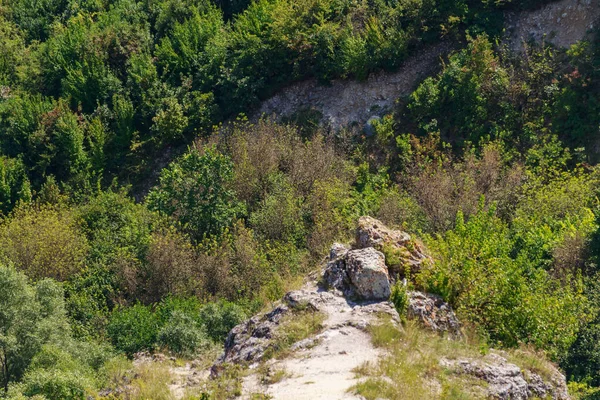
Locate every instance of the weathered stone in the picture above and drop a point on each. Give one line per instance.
(247, 342)
(335, 275)
(368, 273)
(507, 381)
(433, 312)
(373, 233)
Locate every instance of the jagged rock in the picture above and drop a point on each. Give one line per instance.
(335, 275)
(507, 381)
(247, 342)
(373, 233)
(368, 273)
(433, 312)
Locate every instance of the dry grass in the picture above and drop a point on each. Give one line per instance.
(269, 374)
(151, 382)
(411, 369)
(292, 329)
(227, 386)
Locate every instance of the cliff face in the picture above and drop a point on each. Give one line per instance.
(346, 102)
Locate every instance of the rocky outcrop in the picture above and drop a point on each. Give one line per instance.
(248, 342)
(561, 23)
(407, 253)
(507, 381)
(335, 275)
(368, 274)
(345, 102)
(433, 313)
(373, 233)
(357, 272)
(362, 273)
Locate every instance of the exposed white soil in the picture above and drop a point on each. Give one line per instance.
(561, 23)
(349, 101)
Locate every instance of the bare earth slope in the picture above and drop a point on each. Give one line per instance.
(348, 101)
(321, 367)
(562, 23)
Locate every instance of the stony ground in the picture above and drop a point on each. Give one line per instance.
(348, 101)
(561, 23)
(322, 367)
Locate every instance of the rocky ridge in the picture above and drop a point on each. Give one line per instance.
(352, 297)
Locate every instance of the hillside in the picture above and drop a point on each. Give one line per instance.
(336, 199)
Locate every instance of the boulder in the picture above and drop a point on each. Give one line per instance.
(507, 381)
(408, 252)
(368, 273)
(433, 313)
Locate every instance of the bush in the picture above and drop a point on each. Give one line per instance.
(182, 335)
(171, 268)
(220, 317)
(29, 318)
(509, 297)
(43, 242)
(194, 192)
(399, 297)
(56, 374)
(56, 384)
(133, 329)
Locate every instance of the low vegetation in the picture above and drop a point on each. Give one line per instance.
(132, 219)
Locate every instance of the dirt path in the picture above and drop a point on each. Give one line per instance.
(322, 367)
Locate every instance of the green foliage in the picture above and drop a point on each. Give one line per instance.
(469, 86)
(280, 216)
(399, 297)
(182, 335)
(194, 192)
(508, 295)
(14, 184)
(30, 316)
(97, 96)
(220, 317)
(133, 329)
(43, 242)
(580, 363)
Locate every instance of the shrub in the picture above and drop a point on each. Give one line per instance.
(171, 268)
(194, 192)
(399, 297)
(56, 384)
(280, 216)
(182, 335)
(133, 329)
(509, 297)
(220, 317)
(43, 242)
(29, 318)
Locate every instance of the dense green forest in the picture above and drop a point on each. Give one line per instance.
(491, 161)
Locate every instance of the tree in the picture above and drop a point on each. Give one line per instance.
(194, 191)
(30, 316)
(43, 242)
